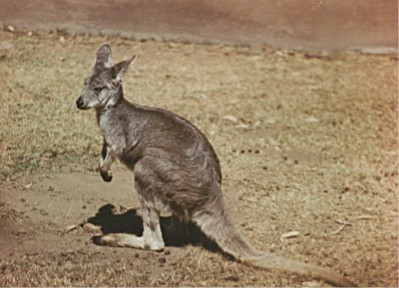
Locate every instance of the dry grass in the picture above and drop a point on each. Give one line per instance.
(312, 141)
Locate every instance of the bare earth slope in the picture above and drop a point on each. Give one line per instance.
(306, 144)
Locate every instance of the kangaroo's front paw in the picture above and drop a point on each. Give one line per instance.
(106, 175)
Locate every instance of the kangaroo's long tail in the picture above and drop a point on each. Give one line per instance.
(271, 262)
(221, 229)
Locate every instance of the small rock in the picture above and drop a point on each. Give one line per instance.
(312, 119)
(162, 260)
(10, 28)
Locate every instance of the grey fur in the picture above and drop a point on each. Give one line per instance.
(175, 170)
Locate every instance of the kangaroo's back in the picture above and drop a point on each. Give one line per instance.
(164, 136)
(172, 134)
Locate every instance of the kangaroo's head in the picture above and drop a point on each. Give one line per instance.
(103, 87)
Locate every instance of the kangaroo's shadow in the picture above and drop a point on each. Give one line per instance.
(113, 220)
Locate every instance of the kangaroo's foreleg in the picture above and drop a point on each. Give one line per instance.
(107, 158)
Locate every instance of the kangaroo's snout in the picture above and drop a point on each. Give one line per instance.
(80, 103)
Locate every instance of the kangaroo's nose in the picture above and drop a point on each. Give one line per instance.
(79, 103)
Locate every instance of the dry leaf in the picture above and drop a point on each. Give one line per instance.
(230, 118)
(364, 217)
(242, 125)
(257, 123)
(291, 234)
(70, 228)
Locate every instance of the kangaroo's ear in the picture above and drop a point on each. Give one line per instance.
(103, 57)
(118, 69)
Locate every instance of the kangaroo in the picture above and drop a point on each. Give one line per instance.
(175, 170)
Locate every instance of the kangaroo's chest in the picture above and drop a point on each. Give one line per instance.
(113, 132)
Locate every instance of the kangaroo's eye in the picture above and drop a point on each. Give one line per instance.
(97, 89)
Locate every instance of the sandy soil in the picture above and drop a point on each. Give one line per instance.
(307, 143)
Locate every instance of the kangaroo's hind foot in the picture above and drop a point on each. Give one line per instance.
(119, 240)
(151, 239)
(128, 240)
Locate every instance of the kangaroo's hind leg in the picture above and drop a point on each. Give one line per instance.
(151, 239)
(177, 232)
(152, 235)
(150, 208)
(152, 230)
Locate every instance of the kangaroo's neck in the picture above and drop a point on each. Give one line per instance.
(113, 103)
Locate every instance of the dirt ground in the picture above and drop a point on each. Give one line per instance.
(307, 144)
(317, 25)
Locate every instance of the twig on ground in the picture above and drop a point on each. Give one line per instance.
(343, 225)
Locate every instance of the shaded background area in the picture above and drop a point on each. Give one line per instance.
(367, 25)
